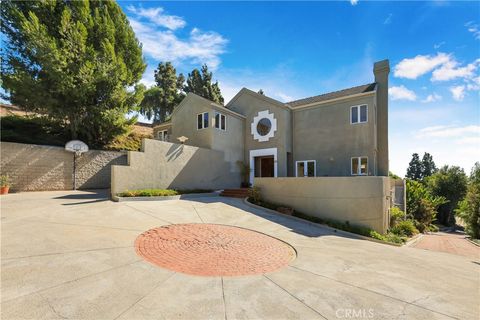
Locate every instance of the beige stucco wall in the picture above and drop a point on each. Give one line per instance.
(168, 165)
(324, 133)
(362, 201)
(250, 104)
(39, 168)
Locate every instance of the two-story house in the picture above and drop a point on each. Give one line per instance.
(342, 133)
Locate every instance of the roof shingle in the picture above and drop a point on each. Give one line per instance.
(333, 95)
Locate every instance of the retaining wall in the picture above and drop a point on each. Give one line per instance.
(39, 168)
(363, 201)
(165, 165)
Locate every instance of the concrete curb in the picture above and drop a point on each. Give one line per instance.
(341, 232)
(473, 242)
(164, 198)
(414, 240)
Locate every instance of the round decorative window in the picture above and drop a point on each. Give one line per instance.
(264, 126)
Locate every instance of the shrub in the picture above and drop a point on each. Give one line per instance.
(432, 228)
(404, 228)
(396, 215)
(421, 227)
(469, 208)
(421, 204)
(4, 181)
(149, 193)
(254, 194)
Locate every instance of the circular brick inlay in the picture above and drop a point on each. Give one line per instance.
(213, 250)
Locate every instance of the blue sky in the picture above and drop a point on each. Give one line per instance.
(293, 50)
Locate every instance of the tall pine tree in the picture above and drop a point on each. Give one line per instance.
(414, 170)
(74, 61)
(159, 100)
(428, 165)
(201, 83)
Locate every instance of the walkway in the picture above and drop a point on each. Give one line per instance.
(454, 243)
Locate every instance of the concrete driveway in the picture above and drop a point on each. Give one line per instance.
(70, 255)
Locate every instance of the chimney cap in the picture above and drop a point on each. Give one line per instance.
(383, 65)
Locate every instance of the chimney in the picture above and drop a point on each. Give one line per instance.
(381, 69)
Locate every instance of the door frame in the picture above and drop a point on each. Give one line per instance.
(260, 153)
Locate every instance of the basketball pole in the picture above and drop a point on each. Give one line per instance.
(74, 171)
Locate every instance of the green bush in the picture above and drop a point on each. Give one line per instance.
(421, 204)
(159, 192)
(396, 215)
(432, 228)
(404, 228)
(4, 181)
(254, 194)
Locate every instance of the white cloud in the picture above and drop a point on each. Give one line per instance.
(474, 29)
(432, 98)
(284, 97)
(164, 45)
(449, 131)
(449, 144)
(401, 93)
(158, 17)
(353, 2)
(421, 64)
(438, 45)
(451, 70)
(458, 92)
(388, 20)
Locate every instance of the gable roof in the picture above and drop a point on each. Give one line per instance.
(206, 102)
(370, 87)
(257, 95)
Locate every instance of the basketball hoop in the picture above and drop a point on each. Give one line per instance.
(77, 147)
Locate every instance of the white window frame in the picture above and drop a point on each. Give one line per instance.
(162, 135)
(359, 172)
(220, 122)
(305, 168)
(358, 113)
(203, 122)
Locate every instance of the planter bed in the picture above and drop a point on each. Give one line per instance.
(339, 231)
(169, 195)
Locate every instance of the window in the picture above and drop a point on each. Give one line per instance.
(306, 168)
(162, 135)
(359, 166)
(202, 120)
(359, 114)
(220, 121)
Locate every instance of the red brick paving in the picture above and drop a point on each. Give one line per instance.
(449, 242)
(213, 250)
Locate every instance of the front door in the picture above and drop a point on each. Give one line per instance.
(264, 166)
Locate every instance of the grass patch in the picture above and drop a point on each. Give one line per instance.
(160, 192)
(345, 226)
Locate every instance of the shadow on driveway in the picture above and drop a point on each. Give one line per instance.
(304, 228)
(98, 195)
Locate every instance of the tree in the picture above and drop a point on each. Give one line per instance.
(421, 203)
(414, 170)
(160, 100)
(428, 165)
(75, 61)
(469, 208)
(261, 92)
(201, 84)
(450, 183)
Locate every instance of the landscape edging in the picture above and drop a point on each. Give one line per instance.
(346, 233)
(164, 198)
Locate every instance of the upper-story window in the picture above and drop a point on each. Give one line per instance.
(202, 120)
(162, 135)
(359, 166)
(220, 121)
(359, 114)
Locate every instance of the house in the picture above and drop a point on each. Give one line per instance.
(342, 133)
